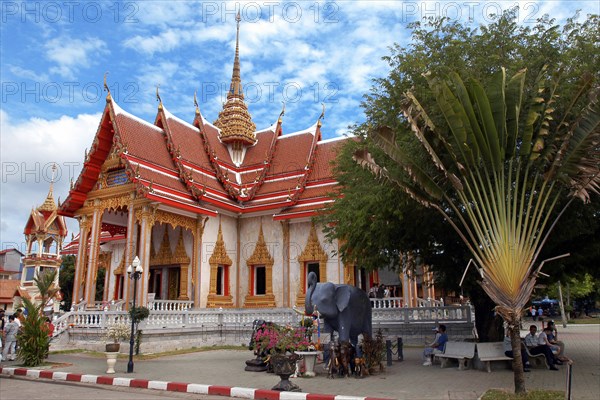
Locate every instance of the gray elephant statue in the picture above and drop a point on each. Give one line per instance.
(345, 309)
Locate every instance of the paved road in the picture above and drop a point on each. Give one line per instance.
(407, 380)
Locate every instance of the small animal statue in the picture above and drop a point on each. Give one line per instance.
(346, 356)
(360, 369)
(334, 362)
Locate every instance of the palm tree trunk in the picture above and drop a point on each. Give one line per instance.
(517, 363)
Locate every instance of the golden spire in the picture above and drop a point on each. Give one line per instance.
(49, 204)
(235, 89)
(234, 120)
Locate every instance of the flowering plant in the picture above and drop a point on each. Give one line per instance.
(118, 332)
(274, 339)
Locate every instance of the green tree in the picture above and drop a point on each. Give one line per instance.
(507, 157)
(34, 342)
(66, 279)
(369, 215)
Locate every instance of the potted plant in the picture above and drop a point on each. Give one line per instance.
(279, 344)
(274, 339)
(114, 334)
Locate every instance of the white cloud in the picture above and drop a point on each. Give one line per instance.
(72, 54)
(28, 151)
(24, 73)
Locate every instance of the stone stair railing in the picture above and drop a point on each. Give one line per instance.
(170, 305)
(387, 302)
(429, 302)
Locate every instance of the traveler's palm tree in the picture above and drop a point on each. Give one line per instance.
(497, 173)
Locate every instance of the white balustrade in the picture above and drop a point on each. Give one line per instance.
(387, 302)
(242, 319)
(170, 305)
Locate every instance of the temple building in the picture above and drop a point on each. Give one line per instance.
(45, 232)
(218, 213)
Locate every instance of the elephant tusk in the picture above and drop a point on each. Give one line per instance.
(298, 311)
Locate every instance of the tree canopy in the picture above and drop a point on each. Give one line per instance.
(376, 221)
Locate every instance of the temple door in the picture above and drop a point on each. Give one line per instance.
(173, 293)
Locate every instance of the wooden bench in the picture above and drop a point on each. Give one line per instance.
(493, 351)
(461, 351)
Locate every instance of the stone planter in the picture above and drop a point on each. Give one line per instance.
(284, 365)
(310, 359)
(113, 347)
(111, 360)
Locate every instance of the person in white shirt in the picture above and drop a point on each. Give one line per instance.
(543, 340)
(532, 342)
(508, 352)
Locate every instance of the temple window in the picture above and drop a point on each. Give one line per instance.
(222, 280)
(259, 273)
(29, 273)
(311, 267)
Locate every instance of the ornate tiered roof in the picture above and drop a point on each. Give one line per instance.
(45, 218)
(206, 168)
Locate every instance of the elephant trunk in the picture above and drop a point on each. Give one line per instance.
(308, 306)
(312, 284)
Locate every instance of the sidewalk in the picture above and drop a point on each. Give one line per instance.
(403, 380)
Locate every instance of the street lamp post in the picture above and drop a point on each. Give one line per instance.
(135, 272)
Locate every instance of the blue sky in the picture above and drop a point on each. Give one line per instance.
(54, 55)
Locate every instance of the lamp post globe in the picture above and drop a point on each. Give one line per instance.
(135, 272)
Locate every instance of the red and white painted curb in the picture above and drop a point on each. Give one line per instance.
(237, 392)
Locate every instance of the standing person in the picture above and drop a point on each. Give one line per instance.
(533, 313)
(437, 346)
(1, 330)
(541, 314)
(380, 291)
(10, 337)
(373, 291)
(49, 327)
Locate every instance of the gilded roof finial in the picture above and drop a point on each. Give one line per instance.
(108, 96)
(234, 121)
(322, 116)
(49, 204)
(160, 105)
(236, 79)
(196, 103)
(282, 113)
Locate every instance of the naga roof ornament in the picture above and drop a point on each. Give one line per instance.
(235, 121)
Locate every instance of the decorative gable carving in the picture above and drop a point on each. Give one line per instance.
(164, 255)
(219, 255)
(312, 252)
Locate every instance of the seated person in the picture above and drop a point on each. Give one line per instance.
(437, 346)
(508, 352)
(543, 340)
(546, 336)
(553, 337)
(532, 343)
